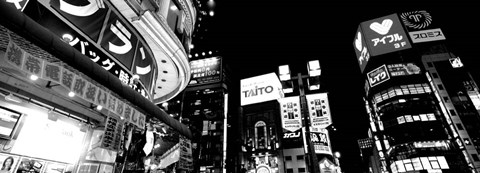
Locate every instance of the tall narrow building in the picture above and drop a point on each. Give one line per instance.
(420, 100)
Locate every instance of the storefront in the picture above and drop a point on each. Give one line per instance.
(61, 113)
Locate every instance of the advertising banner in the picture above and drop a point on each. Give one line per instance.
(361, 49)
(403, 69)
(319, 111)
(205, 71)
(290, 113)
(384, 35)
(119, 41)
(420, 26)
(378, 76)
(260, 89)
(321, 142)
(186, 159)
(292, 139)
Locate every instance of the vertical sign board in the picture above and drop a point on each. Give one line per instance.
(321, 142)
(420, 27)
(319, 111)
(290, 113)
(384, 35)
(260, 89)
(361, 49)
(378, 75)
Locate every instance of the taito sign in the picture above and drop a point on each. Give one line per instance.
(260, 89)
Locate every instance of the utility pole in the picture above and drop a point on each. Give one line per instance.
(313, 162)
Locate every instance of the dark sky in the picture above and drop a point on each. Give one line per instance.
(256, 36)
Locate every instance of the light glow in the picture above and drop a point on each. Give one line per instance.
(71, 94)
(33, 77)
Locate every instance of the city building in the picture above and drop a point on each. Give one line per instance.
(80, 84)
(414, 117)
(204, 107)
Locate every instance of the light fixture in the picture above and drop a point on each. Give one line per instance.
(67, 38)
(13, 98)
(211, 13)
(337, 154)
(314, 68)
(210, 52)
(99, 107)
(52, 115)
(33, 77)
(71, 94)
(284, 72)
(287, 86)
(313, 83)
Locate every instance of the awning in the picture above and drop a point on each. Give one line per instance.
(45, 39)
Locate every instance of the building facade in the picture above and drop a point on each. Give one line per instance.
(81, 83)
(412, 130)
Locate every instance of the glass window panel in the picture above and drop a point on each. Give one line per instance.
(393, 167)
(424, 117)
(443, 162)
(391, 93)
(417, 165)
(401, 120)
(408, 165)
(400, 166)
(431, 117)
(425, 163)
(408, 118)
(434, 162)
(416, 118)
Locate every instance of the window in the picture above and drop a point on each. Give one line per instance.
(289, 170)
(459, 126)
(452, 112)
(300, 157)
(475, 157)
(440, 87)
(288, 158)
(301, 169)
(446, 99)
(435, 75)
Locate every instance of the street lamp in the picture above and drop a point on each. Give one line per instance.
(337, 156)
(313, 83)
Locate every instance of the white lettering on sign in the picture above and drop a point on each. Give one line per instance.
(378, 76)
(427, 35)
(291, 135)
(257, 91)
(123, 34)
(81, 11)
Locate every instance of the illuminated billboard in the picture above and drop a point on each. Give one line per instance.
(319, 110)
(205, 71)
(378, 75)
(403, 69)
(260, 89)
(100, 34)
(361, 49)
(420, 27)
(290, 113)
(384, 35)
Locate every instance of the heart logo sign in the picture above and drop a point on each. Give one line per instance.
(358, 42)
(382, 28)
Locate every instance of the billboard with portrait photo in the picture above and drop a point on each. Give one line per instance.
(8, 163)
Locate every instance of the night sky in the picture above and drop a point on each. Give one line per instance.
(255, 37)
